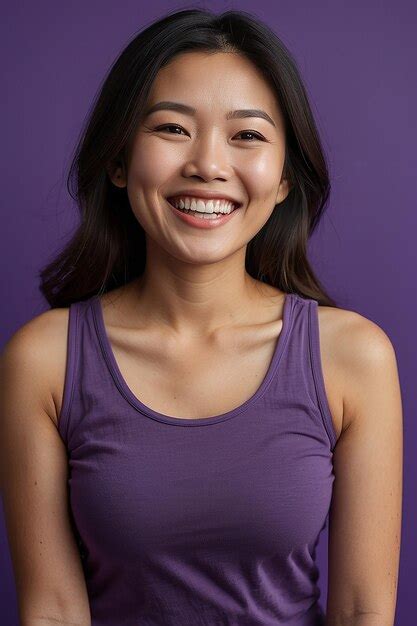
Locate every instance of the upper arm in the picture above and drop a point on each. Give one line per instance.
(46, 562)
(366, 507)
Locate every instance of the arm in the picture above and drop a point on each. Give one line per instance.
(48, 572)
(366, 508)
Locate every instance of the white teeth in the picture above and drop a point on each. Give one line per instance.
(204, 206)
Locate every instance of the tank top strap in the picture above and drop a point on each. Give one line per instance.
(317, 370)
(301, 379)
(86, 374)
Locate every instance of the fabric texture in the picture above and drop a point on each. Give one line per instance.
(210, 521)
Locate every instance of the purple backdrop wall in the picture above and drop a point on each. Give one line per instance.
(358, 62)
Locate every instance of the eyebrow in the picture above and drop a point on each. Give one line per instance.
(189, 110)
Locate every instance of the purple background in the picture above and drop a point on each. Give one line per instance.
(358, 62)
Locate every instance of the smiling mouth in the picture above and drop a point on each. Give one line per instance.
(172, 203)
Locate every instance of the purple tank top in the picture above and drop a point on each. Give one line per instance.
(209, 521)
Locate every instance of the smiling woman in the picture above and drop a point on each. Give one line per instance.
(172, 424)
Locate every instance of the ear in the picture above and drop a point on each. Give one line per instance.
(117, 174)
(283, 190)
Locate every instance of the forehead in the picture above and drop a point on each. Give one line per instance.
(214, 83)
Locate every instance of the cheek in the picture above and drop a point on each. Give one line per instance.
(145, 171)
(146, 176)
(261, 172)
(152, 163)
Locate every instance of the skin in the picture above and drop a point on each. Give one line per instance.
(195, 281)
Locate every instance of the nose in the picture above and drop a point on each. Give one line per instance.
(208, 158)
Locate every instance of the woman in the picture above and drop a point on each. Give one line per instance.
(181, 422)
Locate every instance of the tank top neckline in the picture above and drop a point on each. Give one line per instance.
(134, 401)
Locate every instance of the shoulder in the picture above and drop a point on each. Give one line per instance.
(357, 340)
(38, 347)
(32, 339)
(361, 351)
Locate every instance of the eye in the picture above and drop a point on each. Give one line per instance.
(169, 126)
(252, 132)
(243, 132)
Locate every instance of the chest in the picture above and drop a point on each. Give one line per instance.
(193, 380)
(196, 380)
(239, 483)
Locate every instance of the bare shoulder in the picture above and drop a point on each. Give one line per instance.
(353, 347)
(41, 344)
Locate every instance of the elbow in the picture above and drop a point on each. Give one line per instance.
(40, 620)
(359, 618)
(38, 610)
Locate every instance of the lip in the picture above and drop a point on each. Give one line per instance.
(208, 195)
(199, 222)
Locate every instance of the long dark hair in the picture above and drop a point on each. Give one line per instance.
(108, 248)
